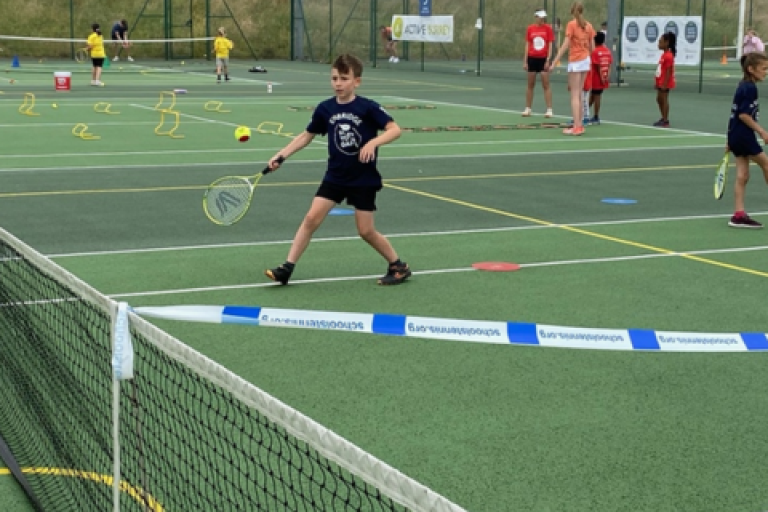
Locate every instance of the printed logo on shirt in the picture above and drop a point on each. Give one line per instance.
(539, 43)
(347, 138)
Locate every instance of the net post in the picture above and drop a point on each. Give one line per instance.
(701, 52)
(115, 445)
(740, 35)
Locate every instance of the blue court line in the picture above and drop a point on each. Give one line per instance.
(474, 331)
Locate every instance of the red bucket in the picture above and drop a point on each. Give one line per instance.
(62, 80)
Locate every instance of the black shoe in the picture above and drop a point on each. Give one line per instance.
(396, 274)
(744, 221)
(279, 274)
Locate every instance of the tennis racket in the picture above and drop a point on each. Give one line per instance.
(82, 55)
(721, 175)
(228, 199)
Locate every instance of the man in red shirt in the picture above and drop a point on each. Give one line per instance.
(600, 74)
(538, 52)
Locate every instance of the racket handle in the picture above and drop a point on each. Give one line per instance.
(267, 170)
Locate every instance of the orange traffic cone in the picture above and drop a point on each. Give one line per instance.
(724, 60)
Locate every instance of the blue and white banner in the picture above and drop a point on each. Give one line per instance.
(640, 39)
(474, 331)
(122, 347)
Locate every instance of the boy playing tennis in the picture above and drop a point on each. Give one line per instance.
(352, 124)
(742, 127)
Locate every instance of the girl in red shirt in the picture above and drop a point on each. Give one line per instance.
(665, 76)
(538, 50)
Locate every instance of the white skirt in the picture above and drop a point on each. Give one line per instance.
(579, 66)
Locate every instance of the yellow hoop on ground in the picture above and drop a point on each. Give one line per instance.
(215, 106)
(176, 121)
(278, 130)
(163, 95)
(28, 104)
(81, 130)
(103, 107)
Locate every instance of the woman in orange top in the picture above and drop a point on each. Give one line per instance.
(579, 42)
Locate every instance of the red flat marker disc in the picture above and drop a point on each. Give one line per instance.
(496, 266)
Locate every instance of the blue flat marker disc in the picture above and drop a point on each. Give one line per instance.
(615, 200)
(341, 211)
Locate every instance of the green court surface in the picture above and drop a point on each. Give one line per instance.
(491, 427)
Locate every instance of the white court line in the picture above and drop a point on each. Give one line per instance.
(219, 164)
(420, 157)
(224, 123)
(406, 235)
(495, 109)
(423, 272)
(210, 75)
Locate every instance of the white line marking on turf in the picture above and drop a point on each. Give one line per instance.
(406, 235)
(423, 272)
(549, 152)
(183, 69)
(224, 123)
(495, 109)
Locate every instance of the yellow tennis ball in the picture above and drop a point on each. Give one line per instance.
(55, 106)
(243, 133)
(182, 63)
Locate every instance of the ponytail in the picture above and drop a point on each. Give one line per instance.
(672, 41)
(577, 10)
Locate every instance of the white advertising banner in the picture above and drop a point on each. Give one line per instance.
(427, 29)
(640, 39)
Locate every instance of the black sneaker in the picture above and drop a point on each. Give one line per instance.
(744, 221)
(279, 274)
(396, 274)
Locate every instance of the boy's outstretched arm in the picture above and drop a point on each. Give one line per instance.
(299, 142)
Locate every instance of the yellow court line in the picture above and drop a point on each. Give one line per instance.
(580, 231)
(391, 180)
(142, 497)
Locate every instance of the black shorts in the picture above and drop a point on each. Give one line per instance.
(745, 147)
(596, 92)
(663, 90)
(98, 62)
(362, 198)
(537, 64)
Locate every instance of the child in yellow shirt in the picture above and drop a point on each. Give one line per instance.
(221, 47)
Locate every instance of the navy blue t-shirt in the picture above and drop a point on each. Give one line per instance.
(349, 127)
(744, 102)
(118, 28)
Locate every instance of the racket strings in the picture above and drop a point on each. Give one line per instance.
(228, 200)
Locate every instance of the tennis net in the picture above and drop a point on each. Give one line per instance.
(181, 433)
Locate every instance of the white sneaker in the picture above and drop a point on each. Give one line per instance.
(94, 82)
(526, 112)
(130, 59)
(549, 113)
(116, 59)
(396, 60)
(391, 59)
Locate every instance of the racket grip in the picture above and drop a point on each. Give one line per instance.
(267, 170)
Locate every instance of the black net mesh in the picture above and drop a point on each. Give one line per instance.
(187, 443)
